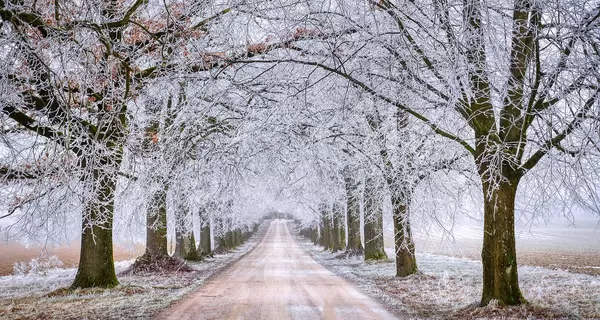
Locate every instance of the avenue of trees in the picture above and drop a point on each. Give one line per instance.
(207, 116)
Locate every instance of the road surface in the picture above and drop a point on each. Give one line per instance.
(277, 280)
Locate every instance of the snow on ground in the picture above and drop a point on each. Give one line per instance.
(451, 287)
(38, 295)
(558, 244)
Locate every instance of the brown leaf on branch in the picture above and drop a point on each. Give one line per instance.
(258, 48)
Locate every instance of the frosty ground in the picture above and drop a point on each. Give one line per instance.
(447, 287)
(450, 288)
(39, 295)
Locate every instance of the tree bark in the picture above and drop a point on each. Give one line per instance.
(232, 239)
(223, 237)
(325, 236)
(156, 226)
(185, 246)
(239, 237)
(205, 240)
(406, 262)
(224, 244)
(181, 236)
(337, 243)
(499, 254)
(353, 215)
(314, 235)
(179, 244)
(373, 226)
(205, 234)
(96, 263)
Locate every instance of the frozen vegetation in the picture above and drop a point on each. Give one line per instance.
(42, 294)
(181, 125)
(449, 287)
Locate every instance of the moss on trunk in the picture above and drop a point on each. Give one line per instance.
(223, 243)
(156, 226)
(499, 254)
(337, 243)
(326, 236)
(185, 246)
(239, 237)
(96, 263)
(406, 262)
(353, 216)
(232, 239)
(373, 226)
(205, 240)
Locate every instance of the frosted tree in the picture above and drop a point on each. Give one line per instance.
(72, 74)
(511, 84)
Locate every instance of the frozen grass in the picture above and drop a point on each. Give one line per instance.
(41, 296)
(450, 288)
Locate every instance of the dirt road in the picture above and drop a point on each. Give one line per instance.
(277, 280)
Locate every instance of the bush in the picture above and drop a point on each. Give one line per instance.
(37, 266)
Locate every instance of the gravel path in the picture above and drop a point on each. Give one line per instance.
(277, 280)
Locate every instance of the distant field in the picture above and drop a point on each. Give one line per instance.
(69, 255)
(554, 246)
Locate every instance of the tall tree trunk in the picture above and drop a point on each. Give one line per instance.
(325, 221)
(185, 243)
(314, 235)
(224, 244)
(185, 247)
(373, 226)
(406, 262)
(222, 239)
(191, 251)
(353, 216)
(180, 235)
(232, 239)
(205, 235)
(336, 233)
(179, 244)
(499, 254)
(156, 226)
(96, 263)
(239, 237)
(342, 220)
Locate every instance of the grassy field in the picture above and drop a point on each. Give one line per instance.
(12, 253)
(555, 246)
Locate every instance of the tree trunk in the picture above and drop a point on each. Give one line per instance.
(205, 240)
(205, 235)
(373, 227)
(224, 242)
(240, 237)
(156, 226)
(342, 220)
(499, 254)
(232, 239)
(223, 236)
(353, 216)
(314, 235)
(185, 246)
(337, 243)
(181, 243)
(96, 263)
(191, 251)
(406, 262)
(325, 233)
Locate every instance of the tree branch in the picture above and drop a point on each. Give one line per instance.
(554, 142)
